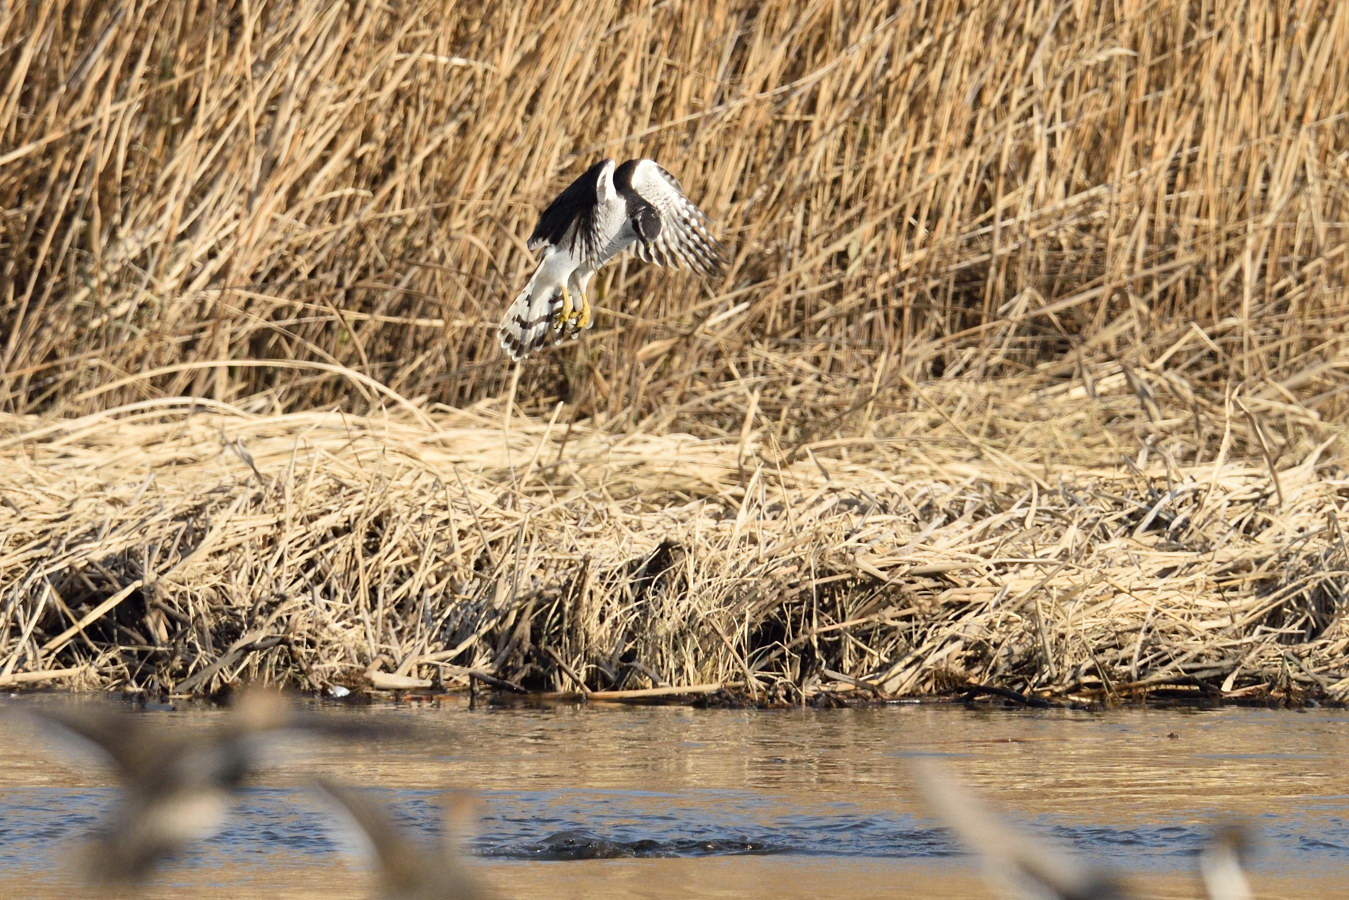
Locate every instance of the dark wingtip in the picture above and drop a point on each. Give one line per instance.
(560, 214)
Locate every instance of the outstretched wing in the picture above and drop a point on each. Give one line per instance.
(574, 218)
(683, 239)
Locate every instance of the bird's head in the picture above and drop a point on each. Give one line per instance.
(646, 222)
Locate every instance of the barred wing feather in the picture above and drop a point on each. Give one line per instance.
(683, 240)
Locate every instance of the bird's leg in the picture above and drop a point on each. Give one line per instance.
(574, 315)
(581, 321)
(564, 314)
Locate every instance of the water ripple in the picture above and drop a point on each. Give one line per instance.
(38, 823)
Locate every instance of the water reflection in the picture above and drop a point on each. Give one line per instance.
(786, 796)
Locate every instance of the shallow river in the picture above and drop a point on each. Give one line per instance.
(652, 802)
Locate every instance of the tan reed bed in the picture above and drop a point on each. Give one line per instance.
(1023, 369)
(909, 190)
(179, 546)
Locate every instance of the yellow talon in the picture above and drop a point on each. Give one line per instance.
(564, 315)
(582, 317)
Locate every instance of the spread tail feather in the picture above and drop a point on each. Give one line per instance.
(528, 322)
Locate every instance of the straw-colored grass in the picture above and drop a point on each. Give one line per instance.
(180, 546)
(1025, 370)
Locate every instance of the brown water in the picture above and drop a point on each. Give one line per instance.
(716, 803)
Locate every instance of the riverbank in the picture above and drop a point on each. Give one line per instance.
(1097, 538)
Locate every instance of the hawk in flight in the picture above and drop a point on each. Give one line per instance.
(607, 210)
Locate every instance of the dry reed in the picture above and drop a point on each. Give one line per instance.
(182, 545)
(1023, 372)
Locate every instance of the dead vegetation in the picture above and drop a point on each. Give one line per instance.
(181, 546)
(1027, 370)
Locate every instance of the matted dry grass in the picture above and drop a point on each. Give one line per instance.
(184, 545)
(1023, 371)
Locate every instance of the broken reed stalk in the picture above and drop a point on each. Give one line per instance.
(1022, 372)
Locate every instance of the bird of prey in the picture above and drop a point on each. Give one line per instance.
(611, 208)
